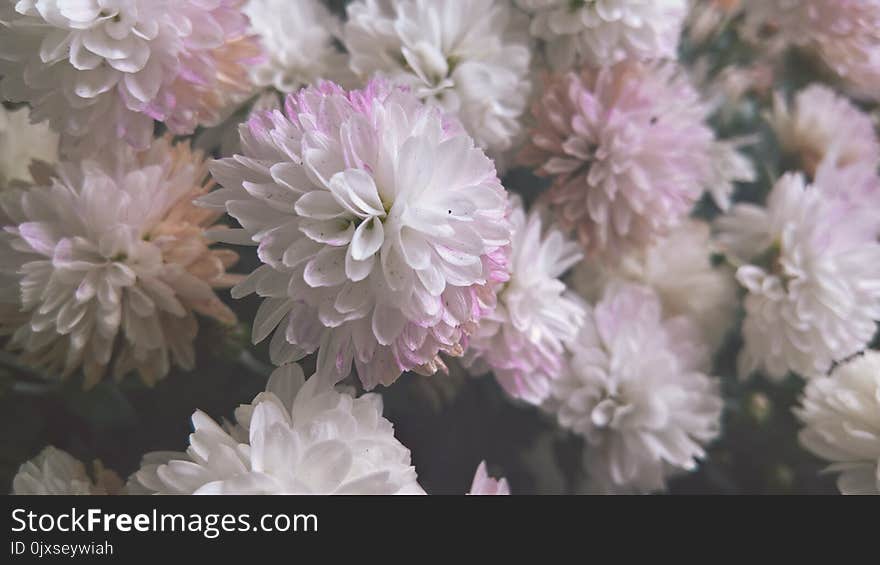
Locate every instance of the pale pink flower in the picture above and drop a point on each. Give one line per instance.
(521, 341)
(627, 150)
(636, 393)
(820, 123)
(382, 230)
(844, 34)
(102, 70)
(111, 263)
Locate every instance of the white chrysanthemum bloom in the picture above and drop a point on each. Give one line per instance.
(299, 437)
(521, 342)
(298, 40)
(54, 472)
(601, 32)
(103, 70)
(635, 393)
(729, 166)
(822, 123)
(470, 58)
(21, 144)
(841, 415)
(679, 269)
(110, 263)
(844, 34)
(811, 267)
(485, 485)
(381, 227)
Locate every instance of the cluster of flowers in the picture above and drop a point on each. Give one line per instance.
(387, 243)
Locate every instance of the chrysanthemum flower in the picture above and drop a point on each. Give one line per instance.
(470, 58)
(601, 32)
(298, 40)
(54, 472)
(485, 485)
(521, 342)
(627, 150)
(111, 263)
(841, 415)
(381, 227)
(22, 145)
(729, 166)
(299, 437)
(101, 70)
(844, 34)
(811, 267)
(679, 269)
(635, 393)
(821, 123)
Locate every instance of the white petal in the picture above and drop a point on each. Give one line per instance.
(357, 191)
(318, 205)
(326, 269)
(387, 324)
(367, 240)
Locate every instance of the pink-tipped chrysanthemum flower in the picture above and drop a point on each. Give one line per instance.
(626, 149)
(521, 342)
(102, 70)
(109, 265)
(382, 228)
(844, 34)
